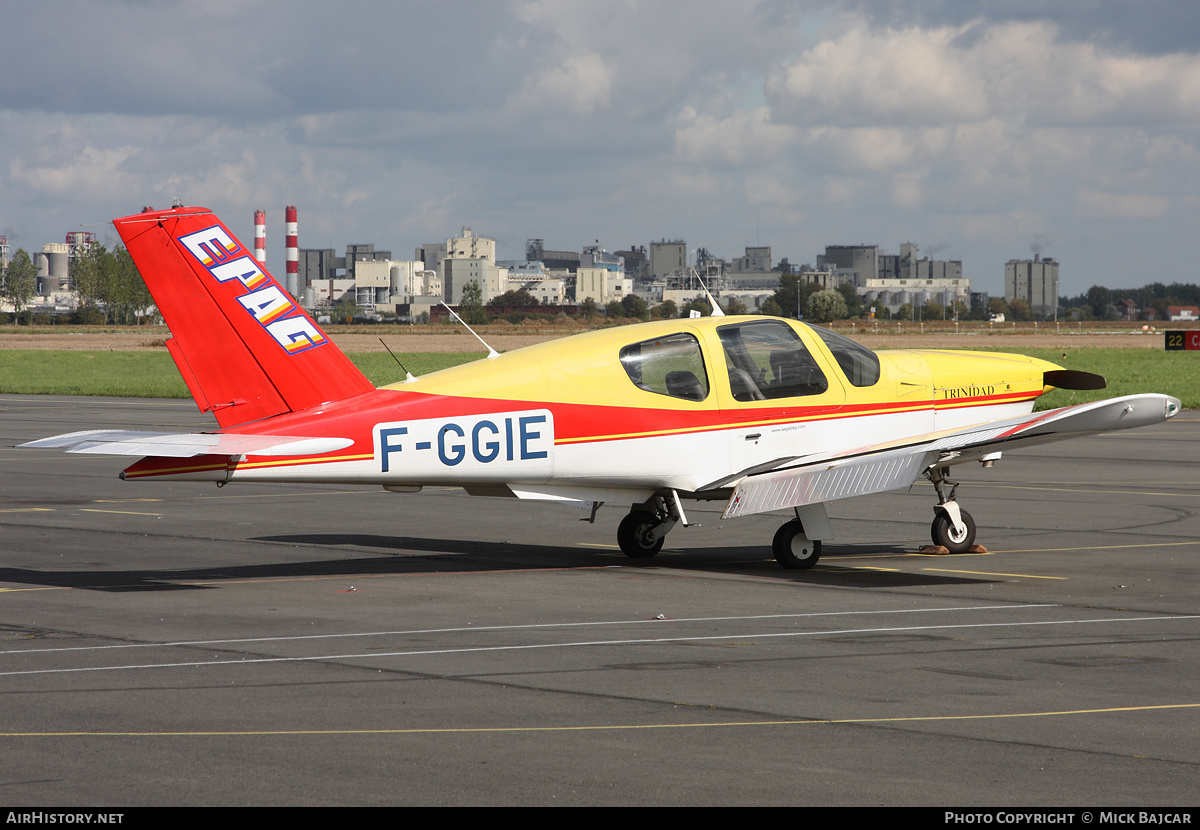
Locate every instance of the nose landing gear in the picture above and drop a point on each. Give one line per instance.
(952, 528)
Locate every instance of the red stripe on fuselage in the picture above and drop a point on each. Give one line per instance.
(357, 417)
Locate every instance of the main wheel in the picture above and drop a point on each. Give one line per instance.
(633, 535)
(943, 533)
(793, 550)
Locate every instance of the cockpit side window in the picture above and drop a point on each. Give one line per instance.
(768, 360)
(671, 365)
(860, 364)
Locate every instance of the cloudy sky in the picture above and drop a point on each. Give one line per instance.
(981, 131)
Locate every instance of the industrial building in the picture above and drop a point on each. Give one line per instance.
(53, 265)
(1033, 280)
(866, 262)
(862, 261)
(892, 280)
(893, 294)
(755, 261)
(536, 251)
(667, 257)
(601, 285)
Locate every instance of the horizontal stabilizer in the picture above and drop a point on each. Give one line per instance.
(185, 445)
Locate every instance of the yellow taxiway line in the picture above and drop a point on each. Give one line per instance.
(604, 728)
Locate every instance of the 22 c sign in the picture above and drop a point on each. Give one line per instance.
(1187, 340)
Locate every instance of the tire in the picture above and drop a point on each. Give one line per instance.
(793, 550)
(943, 533)
(633, 535)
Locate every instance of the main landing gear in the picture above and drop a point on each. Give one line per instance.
(952, 528)
(797, 544)
(641, 534)
(793, 549)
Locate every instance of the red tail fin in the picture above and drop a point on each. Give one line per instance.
(245, 348)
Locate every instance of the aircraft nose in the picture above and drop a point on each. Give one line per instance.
(970, 377)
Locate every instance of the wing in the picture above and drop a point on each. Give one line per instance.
(828, 477)
(185, 445)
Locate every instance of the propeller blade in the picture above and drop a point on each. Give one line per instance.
(1072, 379)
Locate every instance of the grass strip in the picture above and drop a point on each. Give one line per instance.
(153, 374)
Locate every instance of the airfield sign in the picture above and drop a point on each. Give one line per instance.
(1186, 340)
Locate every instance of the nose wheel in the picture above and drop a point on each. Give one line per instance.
(952, 528)
(956, 539)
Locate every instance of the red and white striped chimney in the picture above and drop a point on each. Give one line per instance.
(260, 237)
(292, 254)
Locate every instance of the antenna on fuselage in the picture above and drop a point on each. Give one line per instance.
(408, 375)
(492, 353)
(716, 309)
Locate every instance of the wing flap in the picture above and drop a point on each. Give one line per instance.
(826, 482)
(890, 467)
(185, 445)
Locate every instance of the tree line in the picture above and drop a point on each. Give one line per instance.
(18, 284)
(107, 284)
(1100, 303)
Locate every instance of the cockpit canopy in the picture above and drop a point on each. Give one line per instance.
(765, 359)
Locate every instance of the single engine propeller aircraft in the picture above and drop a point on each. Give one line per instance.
(760, 413)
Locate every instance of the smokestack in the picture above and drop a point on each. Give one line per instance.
(292, 254)
(260, 237)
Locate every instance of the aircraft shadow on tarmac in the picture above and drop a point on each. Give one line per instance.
(840, 565)
(861, 566)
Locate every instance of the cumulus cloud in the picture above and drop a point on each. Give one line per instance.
(864, 149)
(898, 76)
(581, 83)
(91, 172)
(747, 136)
(981, 70)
